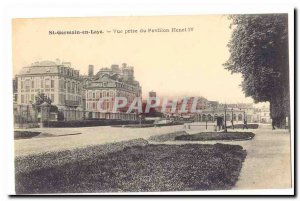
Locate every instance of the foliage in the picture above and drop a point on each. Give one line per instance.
(40, 98)
(259, 51)
(206, 136)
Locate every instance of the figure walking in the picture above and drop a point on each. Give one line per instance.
(273, 124)
(219, 123)
(245, 124)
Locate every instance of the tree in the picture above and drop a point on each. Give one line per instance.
(41, 98)
(259, 51)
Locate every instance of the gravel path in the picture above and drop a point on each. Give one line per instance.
(89, 136)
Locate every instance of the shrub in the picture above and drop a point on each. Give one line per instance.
(206, 136)
(88, 123)
(25, 134)
(240, 126)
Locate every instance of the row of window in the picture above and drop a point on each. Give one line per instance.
(102, 94)
(31, 84)
(106, 105)
(30, 98)
(69, 71)
(47, 83)
(70, 86)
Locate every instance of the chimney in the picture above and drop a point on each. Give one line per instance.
(91, 70)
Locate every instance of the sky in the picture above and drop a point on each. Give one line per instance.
(177, 64)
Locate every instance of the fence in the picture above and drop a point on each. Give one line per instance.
(25, 114)
(70, 115)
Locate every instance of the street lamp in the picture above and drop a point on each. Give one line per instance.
(140, 117)
(232, 118)
(225, 129)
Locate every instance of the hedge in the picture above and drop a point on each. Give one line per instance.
(89, 123)
(25, 134)
(240, 126)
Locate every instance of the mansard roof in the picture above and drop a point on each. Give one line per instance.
(39, 70)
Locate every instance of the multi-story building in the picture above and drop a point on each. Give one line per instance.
(262, 115)
(57, 80)
(110, 83)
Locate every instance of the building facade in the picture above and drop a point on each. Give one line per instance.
(57, 80)
(110, 83)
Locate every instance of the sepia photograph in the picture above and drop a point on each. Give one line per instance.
(170, 103)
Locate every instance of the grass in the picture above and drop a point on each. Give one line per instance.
(206, 136)
(166, 137)
(141, 169)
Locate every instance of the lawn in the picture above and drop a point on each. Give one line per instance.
(206, 136)
(141, 168)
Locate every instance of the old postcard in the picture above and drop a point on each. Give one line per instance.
(180, 103)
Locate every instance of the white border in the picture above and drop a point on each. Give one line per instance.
(66, 8)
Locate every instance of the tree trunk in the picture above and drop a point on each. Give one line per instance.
(278, 111)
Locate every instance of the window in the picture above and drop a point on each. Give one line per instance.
(27, 98)
(37, 83)
(69, 87)
(52, 84)
(111, 94)
(52, 97)
(22, 84)
(32, 84)
(32, 98)
(47, 83)
(93, 94)
(22, 98)
(27, 84)
(42, 83)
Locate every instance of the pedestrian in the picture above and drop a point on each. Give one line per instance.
(273, 124)
(245, 124)
(232, 124)
(219, 122)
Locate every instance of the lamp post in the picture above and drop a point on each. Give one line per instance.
(140, 117)
(225, 129)
(232, 118)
